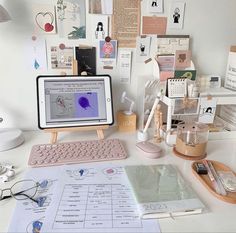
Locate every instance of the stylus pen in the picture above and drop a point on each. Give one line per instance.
(220, 185)
(212, 178)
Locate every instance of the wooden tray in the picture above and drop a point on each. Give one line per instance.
(230, 197)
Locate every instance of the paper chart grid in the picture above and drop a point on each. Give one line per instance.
(93, 206)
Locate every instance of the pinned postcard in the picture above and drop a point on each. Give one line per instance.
(125, 66)
(230, 78)
(165, 62)
(154, 25)
(99, 27)
(44, 18)
(107, 53)
(164, 75)
(71, 19)
(182, 59)
(168, 44)
(126, 22)
(155, 6)
(207, 110)
(86, 60)
(189, 74)
(143, 48)
(36, 53)
(101, 7)
(176, 17)
(60, 58)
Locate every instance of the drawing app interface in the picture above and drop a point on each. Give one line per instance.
(73, 101)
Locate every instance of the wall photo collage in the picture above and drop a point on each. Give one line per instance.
(114, 24)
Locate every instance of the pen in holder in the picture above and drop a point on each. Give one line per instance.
(143, 134)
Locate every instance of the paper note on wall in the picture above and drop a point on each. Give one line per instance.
(36, 53)
(207, 110)
(107, 54)
(230, 79)
(168, 44)
(126, 22)
(99, 27)
(44, 18)
(154, 25)
(125, 66)
(143, 48)
(71, 19)
(176, 17)
(155, 6)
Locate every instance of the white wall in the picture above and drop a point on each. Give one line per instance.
(210, 24)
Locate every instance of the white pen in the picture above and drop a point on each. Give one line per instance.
(213, 181)
(220, 185)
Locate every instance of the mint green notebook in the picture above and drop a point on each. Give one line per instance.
(160, 191)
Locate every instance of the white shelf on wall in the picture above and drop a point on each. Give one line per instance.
(224, 97)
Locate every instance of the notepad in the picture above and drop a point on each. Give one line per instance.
(160, 191)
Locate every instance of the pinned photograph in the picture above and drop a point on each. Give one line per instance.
(107, 53)
(101, 7)
(143, 48)
(36, 53)
(71, 19)
(176, 16)
(182, 59)
(61, 57)
(86, 60)
(155, 6)
(207, 110)
(189, 74)
(99, 27)
(44, 18)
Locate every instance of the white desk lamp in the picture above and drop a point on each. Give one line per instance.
(9, 138)
(4, 16)
(125, 98)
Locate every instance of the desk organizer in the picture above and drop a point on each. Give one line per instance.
(204, 179)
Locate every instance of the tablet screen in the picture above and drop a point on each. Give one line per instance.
(74, 101)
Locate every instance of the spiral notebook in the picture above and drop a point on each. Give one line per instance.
(160, 191)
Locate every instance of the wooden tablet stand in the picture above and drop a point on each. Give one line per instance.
(54, 131)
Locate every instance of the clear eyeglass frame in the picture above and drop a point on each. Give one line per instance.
(22, 190)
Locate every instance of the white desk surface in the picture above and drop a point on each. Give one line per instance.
(219, 217)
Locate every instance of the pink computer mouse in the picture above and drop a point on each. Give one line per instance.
(150, 150)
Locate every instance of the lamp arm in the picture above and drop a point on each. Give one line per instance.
(131, 102)
(131, 106)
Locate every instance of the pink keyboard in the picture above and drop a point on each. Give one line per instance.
(43, 155)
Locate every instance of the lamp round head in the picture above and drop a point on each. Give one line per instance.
(4, 16)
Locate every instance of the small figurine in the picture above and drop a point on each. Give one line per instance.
(158, 123)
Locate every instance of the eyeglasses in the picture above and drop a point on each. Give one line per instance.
(25, 189)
